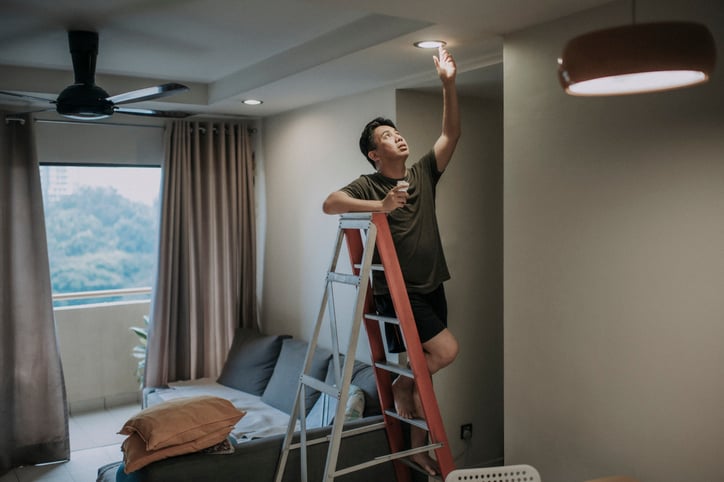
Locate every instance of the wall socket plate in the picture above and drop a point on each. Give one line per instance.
(466, 431)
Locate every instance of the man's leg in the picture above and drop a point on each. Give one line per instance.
(440, 351)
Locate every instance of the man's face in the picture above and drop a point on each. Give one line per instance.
(390, 145)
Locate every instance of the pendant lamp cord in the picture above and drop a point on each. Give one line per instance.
(633, 12)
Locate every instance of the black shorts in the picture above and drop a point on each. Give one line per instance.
(429, 310)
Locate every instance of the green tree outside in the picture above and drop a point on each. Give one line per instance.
(100, 240)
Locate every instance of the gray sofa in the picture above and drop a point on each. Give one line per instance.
(269, 366)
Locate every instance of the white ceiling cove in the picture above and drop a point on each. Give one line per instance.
(289, 53)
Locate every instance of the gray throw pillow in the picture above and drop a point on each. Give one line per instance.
(282, 387)
(251, 360)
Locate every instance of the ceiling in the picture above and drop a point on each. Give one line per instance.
(288, 53)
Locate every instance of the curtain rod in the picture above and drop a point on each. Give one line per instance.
(55, 121)
(123, 124)
(251, 130)
(15, 119)
(215, 130)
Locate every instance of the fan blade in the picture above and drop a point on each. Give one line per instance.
(152, 112)
(148, 93)
(25, 96)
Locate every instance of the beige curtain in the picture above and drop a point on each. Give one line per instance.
(33, 406)
(206, 282)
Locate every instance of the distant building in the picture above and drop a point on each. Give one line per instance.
(55, 182)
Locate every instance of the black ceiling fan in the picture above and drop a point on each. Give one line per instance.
(84, 100)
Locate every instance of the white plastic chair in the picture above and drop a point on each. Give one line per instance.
(507, 473)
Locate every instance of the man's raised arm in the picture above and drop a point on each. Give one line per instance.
(446, 143)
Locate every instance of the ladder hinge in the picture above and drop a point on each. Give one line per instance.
(320, 386)
(345, 278)
(355, 224)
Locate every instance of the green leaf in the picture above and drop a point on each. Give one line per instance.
(141, 332)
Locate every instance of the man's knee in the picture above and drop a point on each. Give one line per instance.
(443, 348)
(450, 351)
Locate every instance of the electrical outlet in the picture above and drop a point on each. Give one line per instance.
(466, 431)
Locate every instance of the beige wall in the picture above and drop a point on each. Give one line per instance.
(95, 344)
(614, 266)
(311, 152)
(307, 154)
(469, 210)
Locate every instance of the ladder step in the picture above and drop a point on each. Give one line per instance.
(417, 422)
(419, 468)
(386, 319)
(346, 433)
(373, 267)
(388, 458)
(345, 278)
(395, 368)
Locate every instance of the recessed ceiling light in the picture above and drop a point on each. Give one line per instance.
(252, 101)
(430, 44)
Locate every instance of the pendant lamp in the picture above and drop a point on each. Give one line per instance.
(637, 58)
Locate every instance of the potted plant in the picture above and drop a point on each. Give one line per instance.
(139, 351)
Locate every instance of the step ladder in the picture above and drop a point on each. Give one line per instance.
(363, 233)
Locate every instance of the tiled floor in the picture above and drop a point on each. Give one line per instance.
(93, 443)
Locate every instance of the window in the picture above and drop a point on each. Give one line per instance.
(102, 226)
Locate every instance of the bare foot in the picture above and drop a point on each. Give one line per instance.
(419, 412)
(427, 463)
(402, 389)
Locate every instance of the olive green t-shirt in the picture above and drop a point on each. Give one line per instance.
(414, 226)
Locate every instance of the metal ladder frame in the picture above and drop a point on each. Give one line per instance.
(377, 235)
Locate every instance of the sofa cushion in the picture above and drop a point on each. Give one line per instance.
(282, 387)
(250, 362)
(183, 420)
(137, 456)
(364, 377)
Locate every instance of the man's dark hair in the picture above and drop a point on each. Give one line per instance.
(366, 140)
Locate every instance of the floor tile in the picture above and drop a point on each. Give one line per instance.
(79, 438)
(45, 473)
(83, 464)
(102, 427)
(9, 477)
(93, 443)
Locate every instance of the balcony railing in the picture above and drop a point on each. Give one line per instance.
(83, 295)
(85, 298)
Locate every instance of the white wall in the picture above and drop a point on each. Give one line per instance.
(311, 152)
(614, 267)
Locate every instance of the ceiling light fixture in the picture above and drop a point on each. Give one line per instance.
(637, 58)
(252, 101)
(430, 44)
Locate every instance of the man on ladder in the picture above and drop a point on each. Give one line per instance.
(408, 195)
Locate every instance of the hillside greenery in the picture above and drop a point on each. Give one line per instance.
(100, 240)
